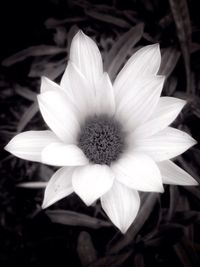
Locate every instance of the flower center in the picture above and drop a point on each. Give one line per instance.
(101, 139)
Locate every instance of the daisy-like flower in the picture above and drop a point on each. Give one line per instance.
(111, 140)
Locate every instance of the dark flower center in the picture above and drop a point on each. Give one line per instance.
(101, 139)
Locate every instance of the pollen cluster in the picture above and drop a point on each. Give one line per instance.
(102, 139)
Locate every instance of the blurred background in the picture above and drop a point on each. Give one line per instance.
(35, 41)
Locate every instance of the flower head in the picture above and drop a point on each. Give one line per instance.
(111, 140)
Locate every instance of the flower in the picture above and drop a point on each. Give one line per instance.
(110, 140)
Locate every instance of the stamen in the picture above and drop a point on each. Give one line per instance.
(101, 139)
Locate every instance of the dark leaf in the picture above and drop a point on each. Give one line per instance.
(27, 116)
(121, 49)
(112, 261)
(180, 13)
(167, 235)
(67, 217)
(85, 248)
(170, 57)
(186, 254)
(33, 51)
(113, 20)
(25, 92)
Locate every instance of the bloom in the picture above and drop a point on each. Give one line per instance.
(110, 141)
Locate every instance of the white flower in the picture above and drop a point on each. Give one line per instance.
(110, 140)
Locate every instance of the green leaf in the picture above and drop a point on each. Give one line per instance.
(67, 217)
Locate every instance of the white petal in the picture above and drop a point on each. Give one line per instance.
(86, 56)
(138, 105)
(59, 114)
(138, 172)
(60, 154)
(165, 113)
(92, 181)
(59, 186)
(81, 92)
(105, 101)
(166, 144)
(144, 62)
(173, 174)
(48, 85)
(29, 145)
(121, 204)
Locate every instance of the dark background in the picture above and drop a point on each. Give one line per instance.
(34, 40)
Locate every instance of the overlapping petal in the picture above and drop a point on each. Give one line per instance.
(29, 145)
(105, 100)
(92, 181)
(59, 186)
(144, 62)
(81, 92)
(137, 105)
(139, 172)
(173, 174)
(48, 85)
(59, 114)
(165, 113)
(121, 204)
(85, 54)
(60, 154)
(164, 145)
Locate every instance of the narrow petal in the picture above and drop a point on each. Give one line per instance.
(144, 62)
(165, 113)
(173, 174)
(59, 186)
(138, 172)
(59, 114)
(164, 145)
(48, 85)
(81, 92)
(121, 204)
(138, 105)
(29, 145)
(105, 101)
(60, 154)
(92, 181)
(86, 56)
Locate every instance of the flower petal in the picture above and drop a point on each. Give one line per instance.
(92, 181)
(138, 105)
(86, 56)
(173, 174)
(138, 172)
(59, 186)
(166, 144)
(105, 101)
(59, 114)
(144, 62)
(48, 85)
(121, 204)
(29, 145)
(59, 154)
(165, 113)
(81, 92)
